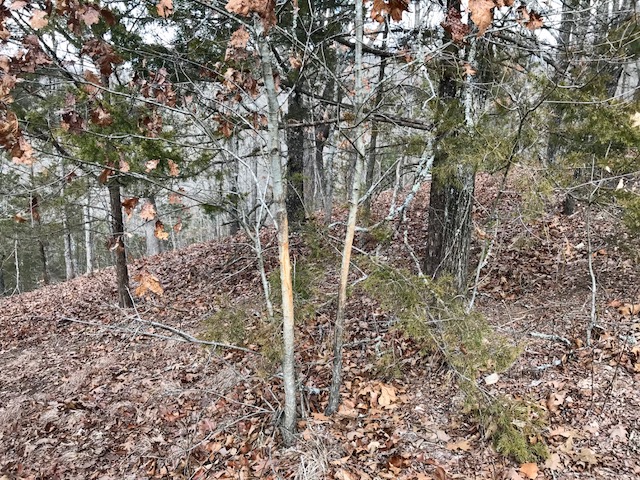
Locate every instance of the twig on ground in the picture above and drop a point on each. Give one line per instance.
(540, 368)
(555, 338)
(184, 337)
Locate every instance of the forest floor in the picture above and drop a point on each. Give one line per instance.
(105, 400)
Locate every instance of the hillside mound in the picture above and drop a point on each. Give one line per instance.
(91, 391)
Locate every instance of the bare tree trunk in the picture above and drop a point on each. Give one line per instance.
(451, 198)
(118, 245)
(70, 269)
(336, 380)
(449, 228)
(282, 226)
(567, 25)
(16, 259)
(295, 163)
(373, 143)
(36, 225)
(68, 248)
(88, 236)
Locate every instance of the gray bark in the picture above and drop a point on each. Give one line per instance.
(282, 226)
(118, 245)
(88, 236)
(153, 245)
(336, 380)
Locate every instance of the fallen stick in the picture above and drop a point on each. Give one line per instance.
(546, 336)
(186, 338)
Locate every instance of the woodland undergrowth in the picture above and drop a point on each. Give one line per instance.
(430, 313)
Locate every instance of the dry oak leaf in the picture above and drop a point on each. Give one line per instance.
(343, 474)
(629, 309)
(469, 70)
(174, 171)
(90, 15)
(92, 78)
(22, 153)
(148, 283)
(18, 5)
(148, 211)
(554, 400)
(295, 62)
(104, 176)
(266, 10)
(387, 395)
(481, 14)
(124, 166)
(239, 38)
(440, 473)
(101, 117)
(39, 20)
(178, 226)
(461, 444)
(159, 231)
(165, 8)
(8, 128)
(529, 469)
(151, 165)
(129, 204)
(531, 20)
(512, 474)
(393, 8)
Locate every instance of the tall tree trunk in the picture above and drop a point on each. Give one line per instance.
(88, 236)
(449, 227)
(451, 196)
(567, 25)
(295, 163)
(16, 260)
(118, 245)
(68, 247)
(336, 380)
(3, 287)
(282, 226)
(154, 247)
(238, 204)
(46, 278)
(373, 143)
(70, 269)
(36, 225)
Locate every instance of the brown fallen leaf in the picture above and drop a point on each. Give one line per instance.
(459, 445)
(586, 456)
(629, 309)
(387, 395)
(440, 473)
(619, 433)
(553, 462)
(554, 401)
(529, 469)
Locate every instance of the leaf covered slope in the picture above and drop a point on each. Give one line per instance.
(101, 399)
